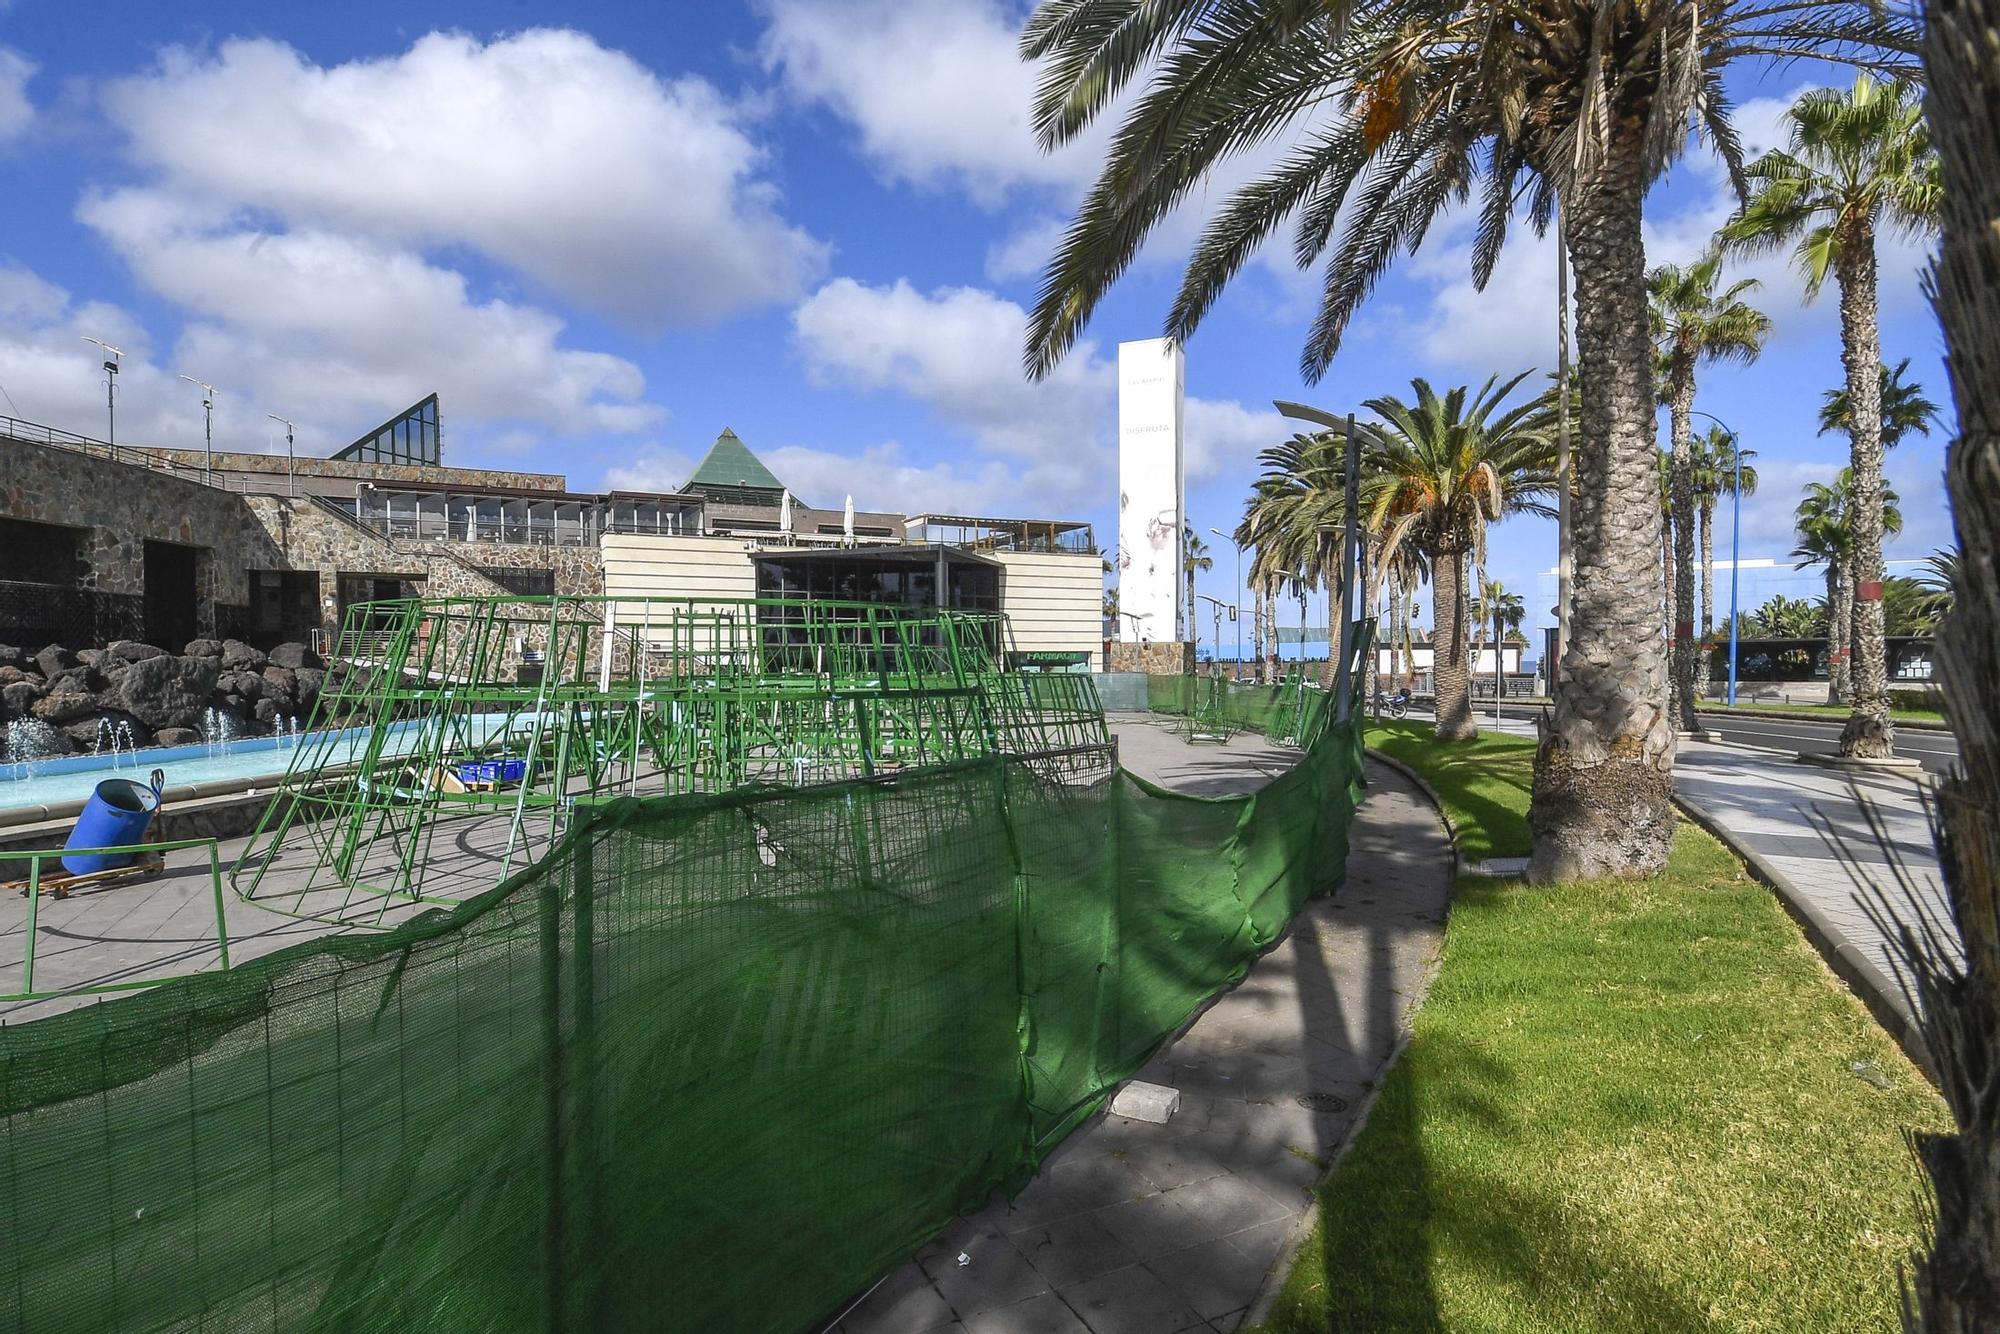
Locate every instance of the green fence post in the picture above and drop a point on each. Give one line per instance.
(553, 1239)
(34, 902)
(215, 882)
(583, 1060)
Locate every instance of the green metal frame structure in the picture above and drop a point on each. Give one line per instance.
(455, 736)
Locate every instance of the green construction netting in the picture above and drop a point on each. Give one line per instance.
(715, 1063)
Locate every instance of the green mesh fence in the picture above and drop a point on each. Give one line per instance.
(713, 1063)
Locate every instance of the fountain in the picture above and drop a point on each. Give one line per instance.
(31, 739)
(218, 728)
(117, 738)
(288, 730)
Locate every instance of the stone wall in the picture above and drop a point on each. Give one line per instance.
(311, 537)
(122, 506)
(1170, 658)
(279, 465)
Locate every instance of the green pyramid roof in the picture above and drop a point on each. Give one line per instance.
(730, 463)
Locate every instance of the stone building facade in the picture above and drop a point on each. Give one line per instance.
(149, 554)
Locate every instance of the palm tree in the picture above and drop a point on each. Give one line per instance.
(1692, 323)
(1825, 526)
(1294, 510)
(1384, 116)
(1438, 471)
(1786, 618)
(1912, 606)
(1502, 611)
(1194, 559)
(1955, 1283)
(1904, 408)
(1859, 162)
(1717, 473)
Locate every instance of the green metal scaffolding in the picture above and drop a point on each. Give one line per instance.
(455, 736)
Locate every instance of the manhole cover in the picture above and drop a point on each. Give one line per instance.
(1322, 1102)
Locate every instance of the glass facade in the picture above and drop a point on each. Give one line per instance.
(903, 579)
(409, 437)
(907, 576)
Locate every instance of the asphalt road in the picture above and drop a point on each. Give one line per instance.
(1938, 751)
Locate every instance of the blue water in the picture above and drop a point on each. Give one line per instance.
(73, 777)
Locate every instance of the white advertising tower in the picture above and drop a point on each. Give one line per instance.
(1151, 380)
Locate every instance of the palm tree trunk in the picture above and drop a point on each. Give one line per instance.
(1257, 630)
(1680, 493)
(1956, 1285)
(1839, 642)
(1703, 672)
(1371, 594)
(1868, 734)
(1603, 793)
(1333, 599)
(1449, 674)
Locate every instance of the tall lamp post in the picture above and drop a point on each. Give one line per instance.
(1735, 542)
(1239, 593)
(291, 459)
(112, 356)
(207, 426)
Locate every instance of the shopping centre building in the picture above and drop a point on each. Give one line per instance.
(166, 545)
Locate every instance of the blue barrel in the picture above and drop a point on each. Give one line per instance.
(116, 816)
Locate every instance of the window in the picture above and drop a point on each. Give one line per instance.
(409, 437)
(528, 583)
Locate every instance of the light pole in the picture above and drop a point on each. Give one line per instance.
(1735, 542)
(112, 356)
(291, 459)
(207, 426)
(1239, 593)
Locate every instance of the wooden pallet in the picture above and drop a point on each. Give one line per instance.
(59, 882)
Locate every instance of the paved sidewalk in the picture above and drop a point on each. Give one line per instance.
(1155, 1229)
(1809, 827)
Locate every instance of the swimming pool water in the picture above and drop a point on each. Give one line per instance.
(73, 777)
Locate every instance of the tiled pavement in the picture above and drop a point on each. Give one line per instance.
(1137, 1227)
(1811, 826)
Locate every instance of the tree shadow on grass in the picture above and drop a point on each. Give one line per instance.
(1393, 1212)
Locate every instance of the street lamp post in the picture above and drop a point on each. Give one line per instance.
(1735, 543)
(112, 356)
(1239, 593)
(207, 426)
(291, 459)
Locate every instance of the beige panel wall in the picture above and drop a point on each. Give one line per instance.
(1055, 603)
(642, 565)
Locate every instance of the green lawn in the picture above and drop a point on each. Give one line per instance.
(1624, 1107)
(1828, 710)
(1484, 783)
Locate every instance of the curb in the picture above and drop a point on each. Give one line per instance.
(1899, 725)
(1280, 1268)
(1870, 985)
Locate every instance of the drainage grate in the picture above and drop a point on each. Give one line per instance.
(1322, 1102)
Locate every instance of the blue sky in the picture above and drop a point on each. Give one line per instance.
(604, 232)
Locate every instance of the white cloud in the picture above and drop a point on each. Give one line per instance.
(16, 111)
(650, 467)
(1024, 253)
(51, 376)
(342, 328)
(549, 154)
(937, 91)
(957, 350)
(893, 481)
